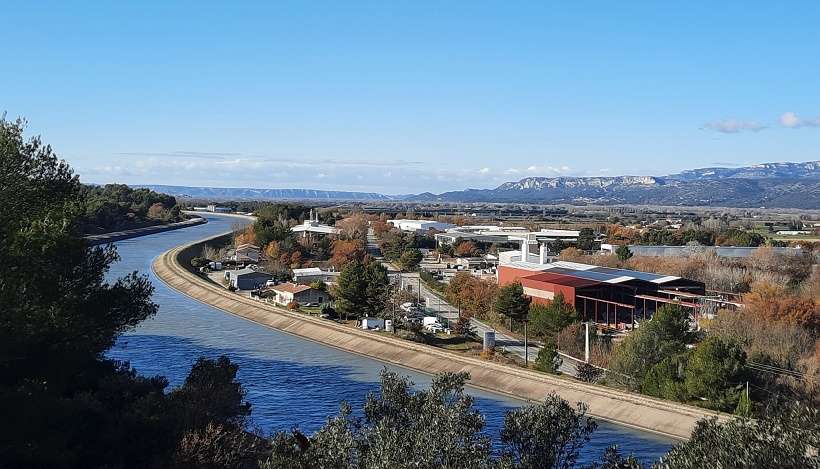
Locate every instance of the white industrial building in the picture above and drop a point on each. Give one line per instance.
(420, 226)
(313, 227)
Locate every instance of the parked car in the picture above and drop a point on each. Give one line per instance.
(435, 328)
(412, 319)
(270, 283)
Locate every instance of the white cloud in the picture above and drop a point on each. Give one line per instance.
(511, 171)
(484, 170)
(733, 126)
(790, 120)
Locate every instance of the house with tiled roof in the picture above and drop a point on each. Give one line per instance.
(286, 293)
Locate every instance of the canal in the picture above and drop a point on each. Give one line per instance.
(290, 382)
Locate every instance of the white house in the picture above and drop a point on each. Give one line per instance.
(286, 293)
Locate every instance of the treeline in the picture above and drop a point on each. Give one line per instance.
(115, 207)
(684, 236)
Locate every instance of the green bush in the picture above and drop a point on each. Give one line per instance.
(548, 359)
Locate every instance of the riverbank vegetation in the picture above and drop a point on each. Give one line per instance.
(117, 207)
(64, 404)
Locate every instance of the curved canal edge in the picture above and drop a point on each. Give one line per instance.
(105, 238)
(666, 418)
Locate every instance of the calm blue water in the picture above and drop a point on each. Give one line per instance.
(290, 382)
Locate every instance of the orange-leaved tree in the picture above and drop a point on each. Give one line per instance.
(773, 302)
(346, 251)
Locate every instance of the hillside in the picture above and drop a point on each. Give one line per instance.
(783, 185)
(238, 193)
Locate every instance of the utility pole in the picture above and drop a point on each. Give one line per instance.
(526, 346)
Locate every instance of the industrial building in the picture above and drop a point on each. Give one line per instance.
(420, 226)
(615, 297)
(312, 228)
(504, 235)
(480, 233)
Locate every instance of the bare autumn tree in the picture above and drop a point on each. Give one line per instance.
(244, 235)
(772, 302)
(354, 227)
(466, 249)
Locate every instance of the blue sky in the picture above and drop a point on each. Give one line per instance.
(402, 97)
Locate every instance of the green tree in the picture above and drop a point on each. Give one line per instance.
(363, 289)
(665, 335)
(351, 290)
(377, 290)
(744, 406)
(548, 359)
(64, 404)
(781, 437)
(212, 395)
(547, 320)
(401, 428)
(666, 379)
(623, 252)
(716, 371)
(586, 239)
(410, 259)
(512, 302)
(547, 435)
(612, 459)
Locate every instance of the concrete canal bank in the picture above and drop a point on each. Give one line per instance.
(105, 238)
(644, 413)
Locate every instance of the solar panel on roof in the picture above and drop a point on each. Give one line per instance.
(587, 274)
(646, 276)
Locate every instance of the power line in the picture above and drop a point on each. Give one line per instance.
(775, 370)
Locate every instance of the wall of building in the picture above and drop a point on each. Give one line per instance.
(543, 292)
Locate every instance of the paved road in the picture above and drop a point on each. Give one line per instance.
(439, 306)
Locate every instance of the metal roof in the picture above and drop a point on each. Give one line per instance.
(594, 272)
(559, 279)
(610, 274)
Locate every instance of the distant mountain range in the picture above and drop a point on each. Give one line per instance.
(775, 185)
(240, 193)
(779, 185)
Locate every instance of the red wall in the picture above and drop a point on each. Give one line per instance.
(510, 274)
